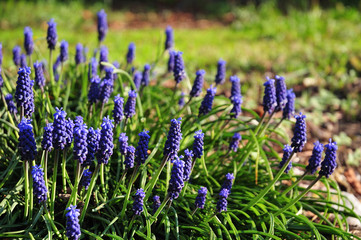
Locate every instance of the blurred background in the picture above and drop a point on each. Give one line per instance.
(315, 44)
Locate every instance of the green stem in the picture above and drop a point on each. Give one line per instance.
(52, 81)
(63, 170)
(9, 114)
(119, 163)
(53, 190)
(102, 179)
(128, 192)
(74, 191)
(49, 219)
(89, 192)
(45, 166)
(167, 177)
(26, 188)
(204, 165)
(150, 186)
(119, 183)
(290, 204)
(267, 124)
(294, 184)
(269, 186)
(159, 210)
(31, 190)
(260, 123)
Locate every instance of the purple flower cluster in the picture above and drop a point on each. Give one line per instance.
(39, 74)
(145, 75)
(59, 131)
(69, 132)
(28, 41)
(47, 142)
(23, 63)
(106, 86)
(24, 92)
(222, 201)
(138, 201)
(169, 38)
(178, 71)
(10, 103)
(27, 145)
(316, 157)
(123, 143)
(188, 158)
(137, 79)
(131, 53)
(329, 164)
(198, 144)
(102, 25)
(118, 109)
(39, 187)
(79, 54)
(92, 140)
(221, 72)
(281, 93)
(201, 197)
(235, 142)
(72, 223)
(289, 109)
(80, 150)
(287, 151)
(198, 84)
(129, 157)
(171, 61)
(156, 203)
(86, 178)
(269, 98)
(93, 93)
(16, 55)
(103, 57)
(106, 145)
(176, 182)
(64, 52)
(92, 68)
(174, 137)
(228, 182)
(52, 36)
(206, 105)
(129, 108)
(141, 152)
(299, 133)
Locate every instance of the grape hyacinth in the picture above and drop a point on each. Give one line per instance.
(102, 25)
(24, 93)
(181, 101)
(174, 137)
(289, 109)
(39, 187)
(64, 51)
(27, 145)
(39, 74)
(123, 143)
(315, 159)
(92, 140)
(198, 144)
(138, 201)
(93, 93)
(129, 108)
(86, 178)
(59, 132)
(228, 182)
(281, 93)
(10, 104)
(106, 145)
(137, 79)
(118, 109)
(201, 197)
(92, 68)
(237, 109)
(169, 39)
(269, 98)
(188, 157)
(176, 182)
(141, 152)
(206, 105)
(156, 203)
(171, 61)
(329, 164)
(299, 133)
(129, 157)
(178, 71)
(131, 53)
(145, 75)
(236, 88)
(222, 201)
(221, 72)
(79, 54)
(198, 84)
(47, 142)
(106, 86)
(69, 132)
(287, 151)
(78, 122)
(16, 55)
(28, 41)
(103, 57)
(80, 149)
(72, 223)
(235, 142)
(23, 63)
(52, 36)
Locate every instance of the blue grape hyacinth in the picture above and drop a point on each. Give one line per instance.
(236, 109)
(92, 68)
(39, 187)
(235, 142)
(123, 143)
(72, 223)
(156, 203)
(174, 137)
(316, 157)
(289, 110)
(52, 36)
(102, 25)
(23, 62)
(329, 164)
(39, 74)
(131, 53)
(16, 55)
(106, 145)
(269, 98)
(47, 142)
(221, 72)
(206, 105)
(24, 92)
(103, 57)
(181, 101)
(137, 79)
(27, 145)
(178, 71)
(118, 113)
(10, 103)
(129, 108)
(92, 140)
(86, 178)
(141, 152)
(80, 149)
(138, 201)
(236, 87)
(287, 151)
(69, 132)
(28, 41)
(129, 157)
(281, 93)
(106, 86)
(198, 83)
(169, 38)
(171, 61)
(59, 132)
(188, 159)
(176, 182)
(146, 75)
(227, 184)
(79, 54)
(222, 201)
(64, 51)
(299, 138)
(198, 144)
(201, 197)
(93, 93)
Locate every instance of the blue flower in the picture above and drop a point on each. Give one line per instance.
(39, 74)
(131, 53)
(315, 159)
(176, 182)
(23, 63)
(103, 57)
(174, 137)
(198, 144)
(329, 164)
(221, 72)
(156, 203)
(299, 133)
(138, 201)
(79, 54)
(93, 93)
(27, 145)
(64, 51)
(92, 68)
(198, 84)
(228, 182)
(72, 223)
(129, 157)
(178, 71)
(289, 109)
(281, 93)
(206, 105)
(123, 143)
(69, 132)
(106, 86)
(222, 201)
(141, 152)
(169, 39)
(102, 25)
(269, 98)
(145, 75)
(10, 103)
(28, 41)
(237, 109)
(201, 197)
(106, 145)
(86, 178)
(39, 187)
(16, 55)
(236, 88)
(92, 140)
(59, 132)
(235, 142)
(47, 142)
(80, 149)
(287, 151)
(181, 101)
(188, 158)
(52, 36)
(137, 79)
(118, 109)
(171, 61)
(24, 93)
(129, 108)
